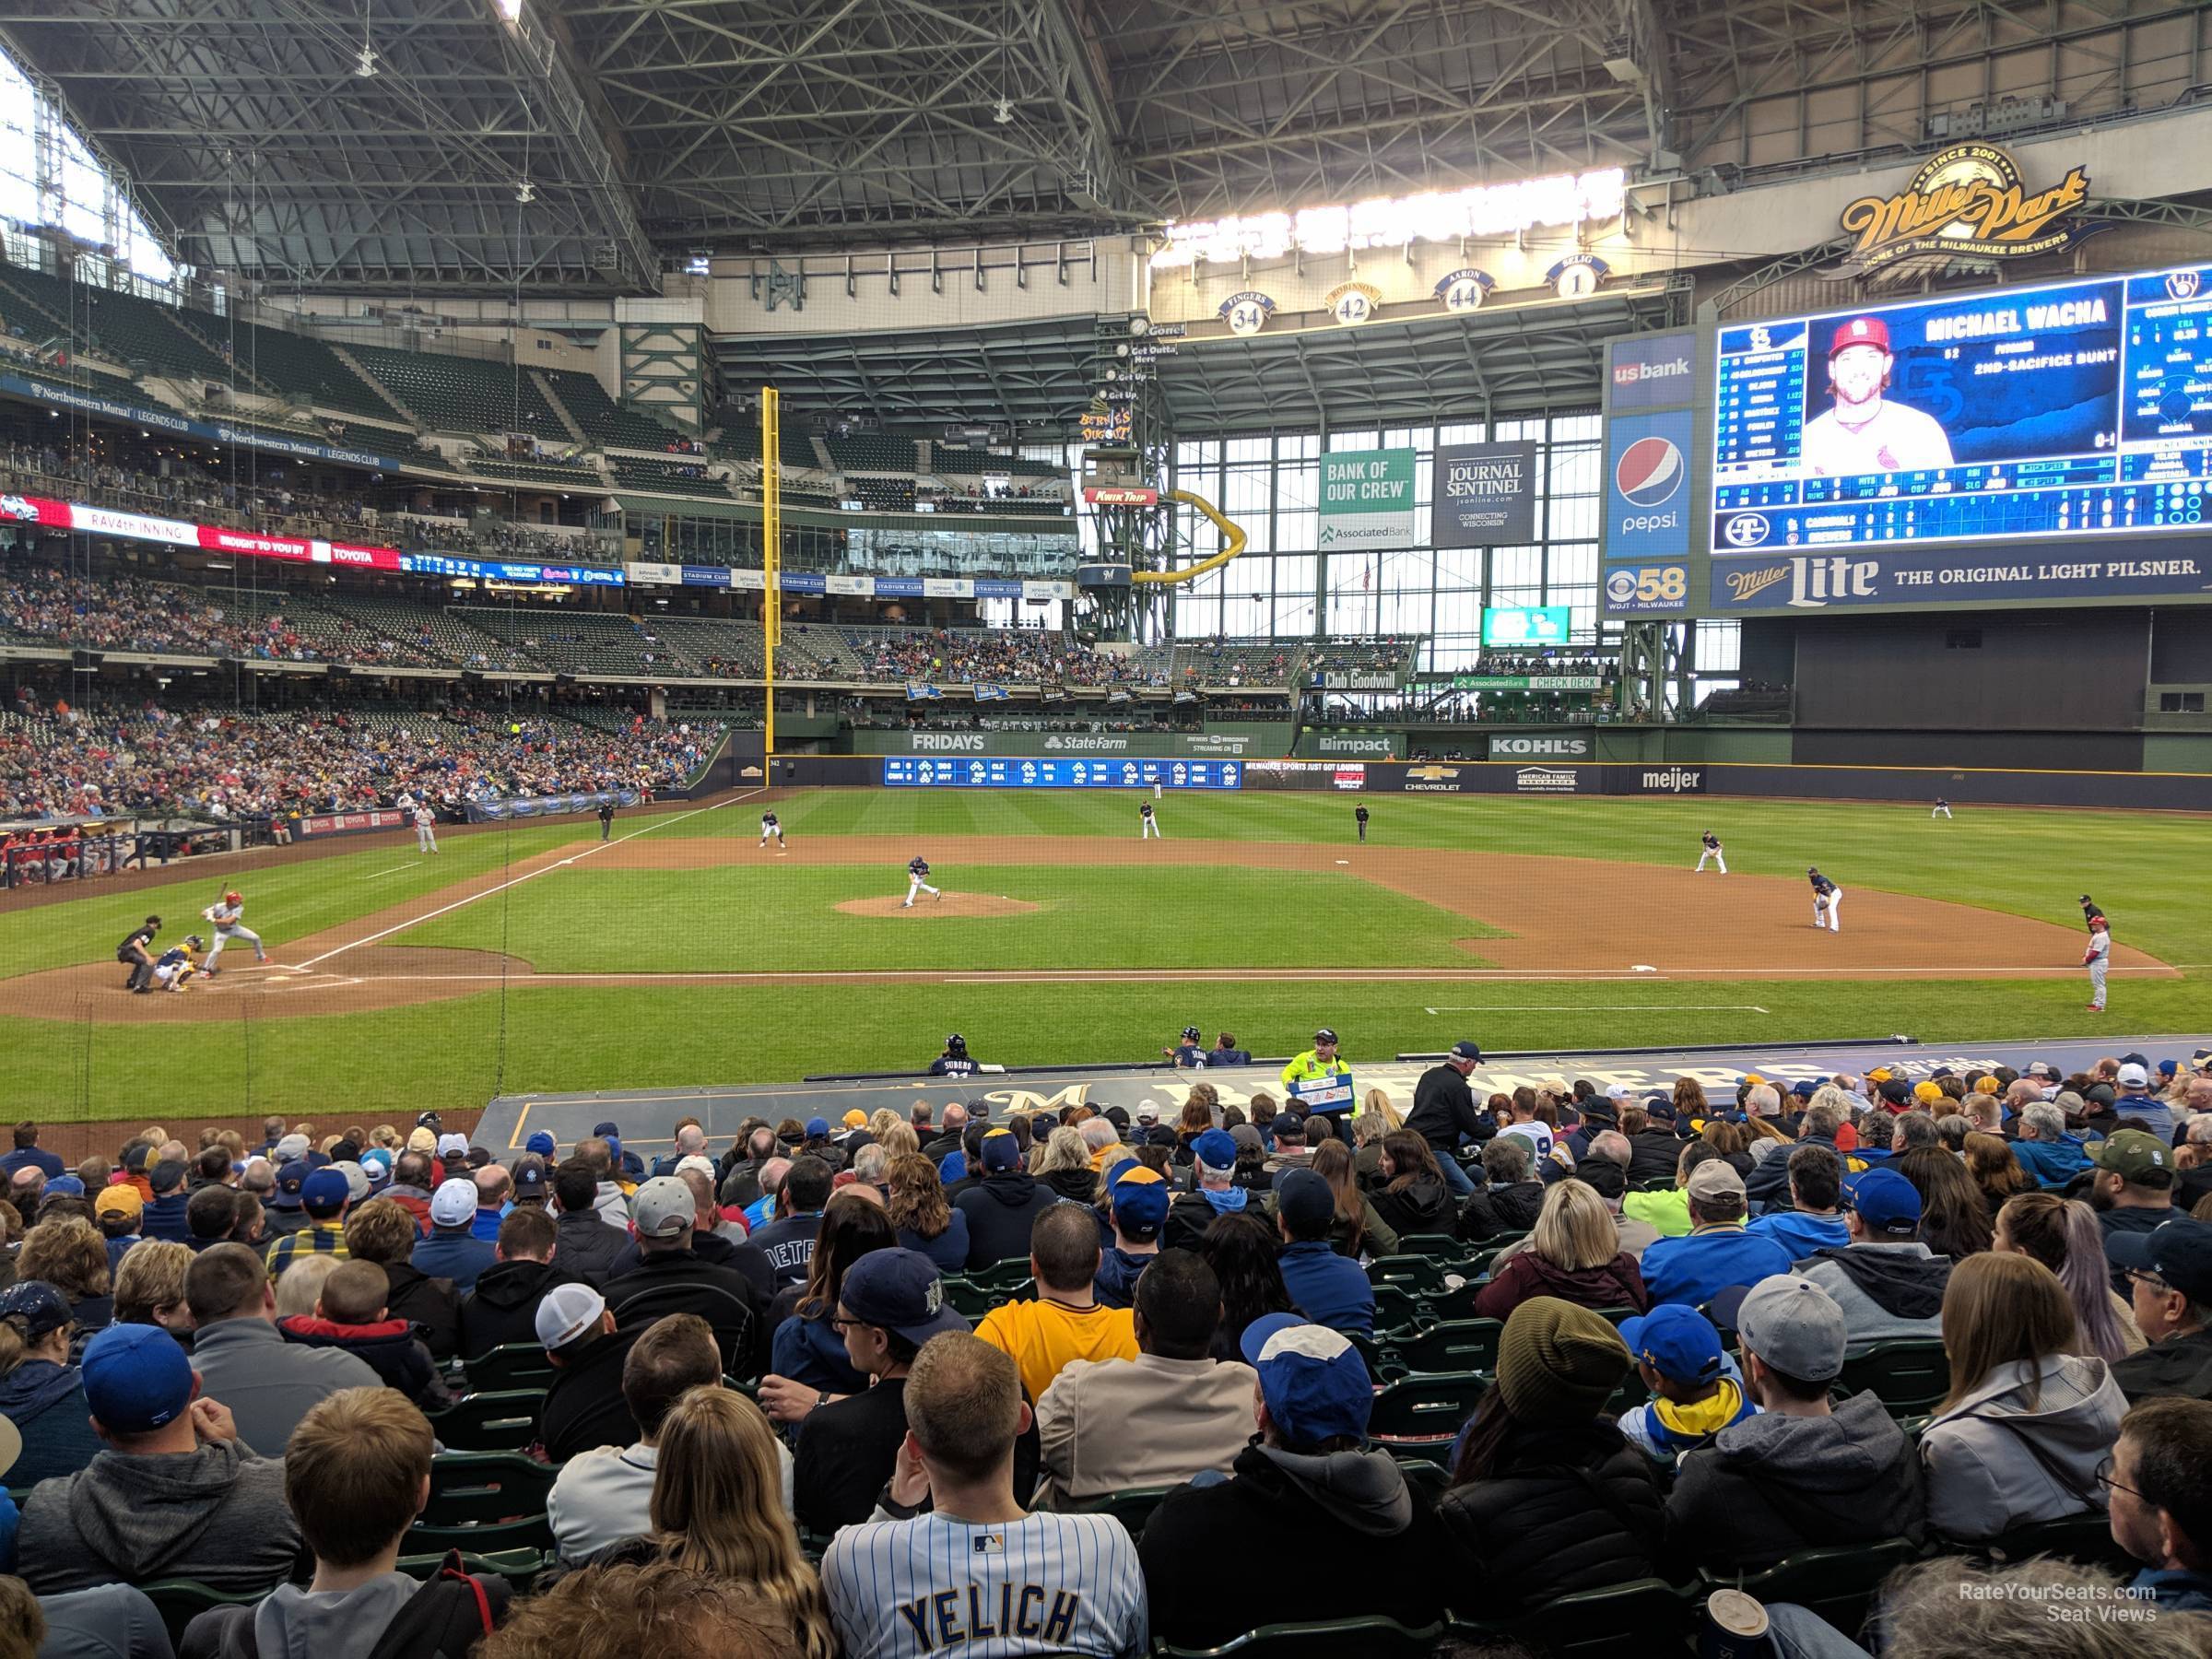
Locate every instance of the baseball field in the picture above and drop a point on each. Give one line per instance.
(681, 951)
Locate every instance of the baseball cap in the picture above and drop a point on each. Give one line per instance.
(118, 1200)
(169, 1174)
(1659, 1106)
(2180, 1252)
(454, 1203)
(431, 1121)
(290, 1149)
(1248, 1138)
(1140, 1202)
(66, 1186)
(1887, 1203)
(1467, 1049)
(901, 1292)
(817, 1128)
(855, 1117)
(453, 1146)
(2133, 1074)
(1896, 1091)
(1860, 331)
(39, 1307)
(1148, 1111)
(1794, 1326)
(2131, 1154)
(1217, 1150)
(1304, 1200)
(2039, 1068)
(419, 1140)
(1677, 1342)
(135, 1378)
(1715, 1178)
(530, 1179)
(541, 1143)
(1313, 1380)
(1191, 1034)
(1926, 1091)
(1805, 1089)
(1001, 1150)
(327, 1191)
(290, 1178)
(2201, 1060)
(376, 1163)
(355, 1178)
(661, 1208)
(1324, 1035)
(606, 1129)
(567, 1312)
(695, 1160)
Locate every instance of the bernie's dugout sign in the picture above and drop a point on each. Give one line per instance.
(1333, 1093)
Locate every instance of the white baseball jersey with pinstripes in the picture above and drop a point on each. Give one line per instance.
(931, 1585)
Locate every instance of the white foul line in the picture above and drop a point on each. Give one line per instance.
(518, 880)
(395, 870)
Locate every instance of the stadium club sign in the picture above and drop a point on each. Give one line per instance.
(1967, 202)
(1814, 582)
(1486, 494)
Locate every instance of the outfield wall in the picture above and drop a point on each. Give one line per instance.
(2178, 792)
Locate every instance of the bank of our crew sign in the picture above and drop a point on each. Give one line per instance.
(1367, 499)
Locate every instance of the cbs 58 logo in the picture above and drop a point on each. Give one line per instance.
(1647, 585)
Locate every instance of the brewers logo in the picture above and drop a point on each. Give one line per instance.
(1649, 472)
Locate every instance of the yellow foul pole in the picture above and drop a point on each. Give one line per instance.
(772, 555)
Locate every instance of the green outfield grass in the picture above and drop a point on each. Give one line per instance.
(2145, 869)
(783, 919)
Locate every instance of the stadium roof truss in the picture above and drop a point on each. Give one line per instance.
(649, 129)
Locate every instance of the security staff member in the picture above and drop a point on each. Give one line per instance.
(1359, 817)
(1318, 1064)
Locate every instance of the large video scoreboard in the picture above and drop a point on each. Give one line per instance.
(2049, 442)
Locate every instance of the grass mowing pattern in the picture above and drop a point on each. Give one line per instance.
(784, 921)
(2145, 870)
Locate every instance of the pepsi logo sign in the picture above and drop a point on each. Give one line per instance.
(1649, 472)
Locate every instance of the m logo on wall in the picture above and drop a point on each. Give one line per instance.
(1486, 495)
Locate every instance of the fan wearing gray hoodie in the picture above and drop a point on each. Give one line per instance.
(1800, 1474)
(175, 1494)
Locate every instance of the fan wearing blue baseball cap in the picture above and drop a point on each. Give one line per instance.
(1214, 1166)
(324, 1196)
(41, 1394)
(1802, 1472)
(1312, 1479)
(1887, 1281)
(1695, 1390)
(174, 1494)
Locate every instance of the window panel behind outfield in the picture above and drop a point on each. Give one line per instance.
(1464, 432)
(1582, 602)
(1571, 428)
(1719, 647)
(1366, 439)
(1572, 517)
(1516, 567)
(1574, 470)
(1572, 564)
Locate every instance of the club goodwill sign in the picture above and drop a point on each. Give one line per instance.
(1486, 494)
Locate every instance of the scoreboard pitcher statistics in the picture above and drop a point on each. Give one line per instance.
(2079, 412)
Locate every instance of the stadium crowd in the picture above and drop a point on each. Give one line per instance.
(227, 764)
(1044, 1381)
(1017, 655)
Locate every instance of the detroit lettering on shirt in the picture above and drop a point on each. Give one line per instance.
(1042, 1585)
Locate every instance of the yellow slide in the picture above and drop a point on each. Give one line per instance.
(1232, 542)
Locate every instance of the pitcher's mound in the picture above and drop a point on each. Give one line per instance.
(953, 904)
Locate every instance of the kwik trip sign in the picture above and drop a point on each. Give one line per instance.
(1968, 202)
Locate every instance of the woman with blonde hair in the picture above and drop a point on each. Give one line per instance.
(1573, 1253)
(2027, 1424)
(2064, 1236)
(68, 1254)
(882, 1120)
(1064, 1165)
(898, 1139)
(299, 1286)
(924, 1221)
(1357, 1230)
(149, 1286)
(718, 1506)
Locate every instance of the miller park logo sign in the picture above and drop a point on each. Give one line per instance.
(1967, 202)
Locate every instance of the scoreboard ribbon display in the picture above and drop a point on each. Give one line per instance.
(978, 773)
(2080, 410)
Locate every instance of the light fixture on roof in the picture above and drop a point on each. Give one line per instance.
(364, 64)
(525, 192)
(1003, 111)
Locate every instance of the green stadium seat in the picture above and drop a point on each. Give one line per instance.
(1838, 1581)
(483, 1502)
(181, 1600)
(502, 1421)
(1442, 1245)
(1395, 1310)
(1908, 1374)
(515, 1365)
(1457, 1303)
(1635, 1620)
(2085, 1537)
(520, 1568)
(1420, 1416)
(1370, 1637)
(1132, 1506)
(968, 1298)
(1418, 1273)
(1453, 1347)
